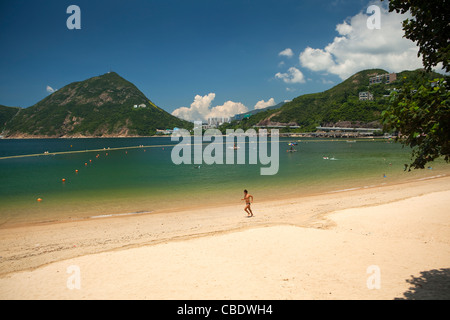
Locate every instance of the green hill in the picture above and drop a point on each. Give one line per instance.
(6, 114)
(106, 105)
(339, 105)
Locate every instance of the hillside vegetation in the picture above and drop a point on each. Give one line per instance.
(6, 114)
(337, 105)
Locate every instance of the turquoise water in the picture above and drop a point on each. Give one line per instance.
(144, 179)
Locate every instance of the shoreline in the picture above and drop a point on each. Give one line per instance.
(289, 135)
(191, 207)
(28, 247)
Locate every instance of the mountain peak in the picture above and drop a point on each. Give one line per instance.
(111, 75)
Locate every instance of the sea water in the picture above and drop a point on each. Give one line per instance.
(125, 176)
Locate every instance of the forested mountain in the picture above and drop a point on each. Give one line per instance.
(102, 106)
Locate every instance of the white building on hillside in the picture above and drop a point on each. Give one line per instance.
(365, 95)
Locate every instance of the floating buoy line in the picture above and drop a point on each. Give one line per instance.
(46, 153)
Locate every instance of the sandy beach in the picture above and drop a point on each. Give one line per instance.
(387, 242)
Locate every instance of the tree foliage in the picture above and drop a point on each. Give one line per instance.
(422, 117)
(421, 112)
(429, 28)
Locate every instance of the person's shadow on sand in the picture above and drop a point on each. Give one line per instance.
(430, 285)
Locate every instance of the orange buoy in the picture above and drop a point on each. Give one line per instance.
(39, 199)
(90, 160)
(63, 180)
(76, 171)
(85, 163)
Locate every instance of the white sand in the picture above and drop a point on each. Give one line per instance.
(290, 252)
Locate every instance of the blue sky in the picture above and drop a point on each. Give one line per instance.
(176, 50)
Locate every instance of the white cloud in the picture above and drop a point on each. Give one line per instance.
(292, 76)
(263, 104)
(357, 47)
(344, 29)
(316, 59)
(198, 108)
(201, 110)
(287, 53)
(50, 89)
(228, 109)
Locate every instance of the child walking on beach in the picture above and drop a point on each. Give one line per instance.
(248, 200)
